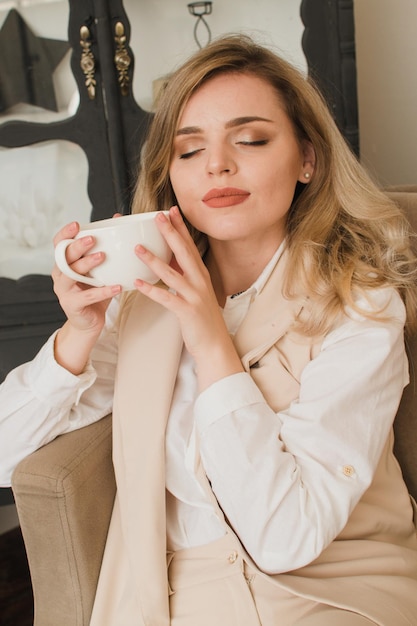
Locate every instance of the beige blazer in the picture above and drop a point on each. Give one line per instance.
(371, 568)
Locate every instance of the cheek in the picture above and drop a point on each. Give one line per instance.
(285, 177)
(173, 179)
(185, 189)
(183, 198)
(279, 189)
(178, 182)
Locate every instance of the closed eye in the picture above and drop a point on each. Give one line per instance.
(259, 142)
(188, 155)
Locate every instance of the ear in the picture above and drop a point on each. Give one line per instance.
(308, 161)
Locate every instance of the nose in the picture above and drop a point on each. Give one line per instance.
(220, 160)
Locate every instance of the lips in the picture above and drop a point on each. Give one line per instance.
(227, 196)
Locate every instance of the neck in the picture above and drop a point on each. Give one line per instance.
(233, 268)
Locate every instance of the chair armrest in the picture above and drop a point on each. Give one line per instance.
(64, 495)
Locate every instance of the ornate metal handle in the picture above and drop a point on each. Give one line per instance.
(122, 59)
(87, 62)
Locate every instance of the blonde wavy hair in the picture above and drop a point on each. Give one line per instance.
(345, 235)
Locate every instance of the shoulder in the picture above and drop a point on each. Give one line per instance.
(379, 316)
(382, 304)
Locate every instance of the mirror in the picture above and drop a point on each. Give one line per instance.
(43, 187)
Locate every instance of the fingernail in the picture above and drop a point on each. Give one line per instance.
(161, 217)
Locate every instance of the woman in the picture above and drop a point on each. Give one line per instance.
(255, 389)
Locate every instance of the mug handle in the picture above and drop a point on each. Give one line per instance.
(61, 261)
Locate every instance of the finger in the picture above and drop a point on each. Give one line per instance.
(175, 265)
(178, 223)
(67, 232)
(160, 295)
(188, 286)
(93, 295)
(85, 263)
(165, 272)
(79, 248)
(81, 265)
(80, 295)
(179, 239)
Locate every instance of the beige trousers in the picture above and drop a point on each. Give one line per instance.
(212, 584)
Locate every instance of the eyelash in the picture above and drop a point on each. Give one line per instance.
(259, 142)
(188, 155)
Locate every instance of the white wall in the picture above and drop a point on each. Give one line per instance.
(162, 33)
(386, 55)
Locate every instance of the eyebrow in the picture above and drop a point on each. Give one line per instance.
(237, 121)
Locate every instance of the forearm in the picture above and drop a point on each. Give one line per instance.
(41, 399)
(36, 401)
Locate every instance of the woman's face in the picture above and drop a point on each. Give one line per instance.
(237, 160)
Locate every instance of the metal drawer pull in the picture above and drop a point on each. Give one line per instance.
(122, 59)
(87, 62)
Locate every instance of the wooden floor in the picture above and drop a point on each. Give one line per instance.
(16, 601)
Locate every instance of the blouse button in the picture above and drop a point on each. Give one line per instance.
(348, 470)
(233, 556)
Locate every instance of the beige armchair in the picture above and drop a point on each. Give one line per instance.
(64, 495)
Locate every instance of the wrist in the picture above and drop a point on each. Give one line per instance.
(73, 346)
(217, 363)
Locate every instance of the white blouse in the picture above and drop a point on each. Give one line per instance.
(318, 456)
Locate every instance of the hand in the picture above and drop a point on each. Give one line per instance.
(192, 299)
(84, 306)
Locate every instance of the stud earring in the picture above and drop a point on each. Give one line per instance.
(307, 175)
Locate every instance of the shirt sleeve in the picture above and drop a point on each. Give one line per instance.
(289, 481)
(40, 400)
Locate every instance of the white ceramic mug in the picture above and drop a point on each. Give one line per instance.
(117, 238)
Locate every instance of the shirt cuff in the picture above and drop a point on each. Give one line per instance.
(52, 384)
(225, 397)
